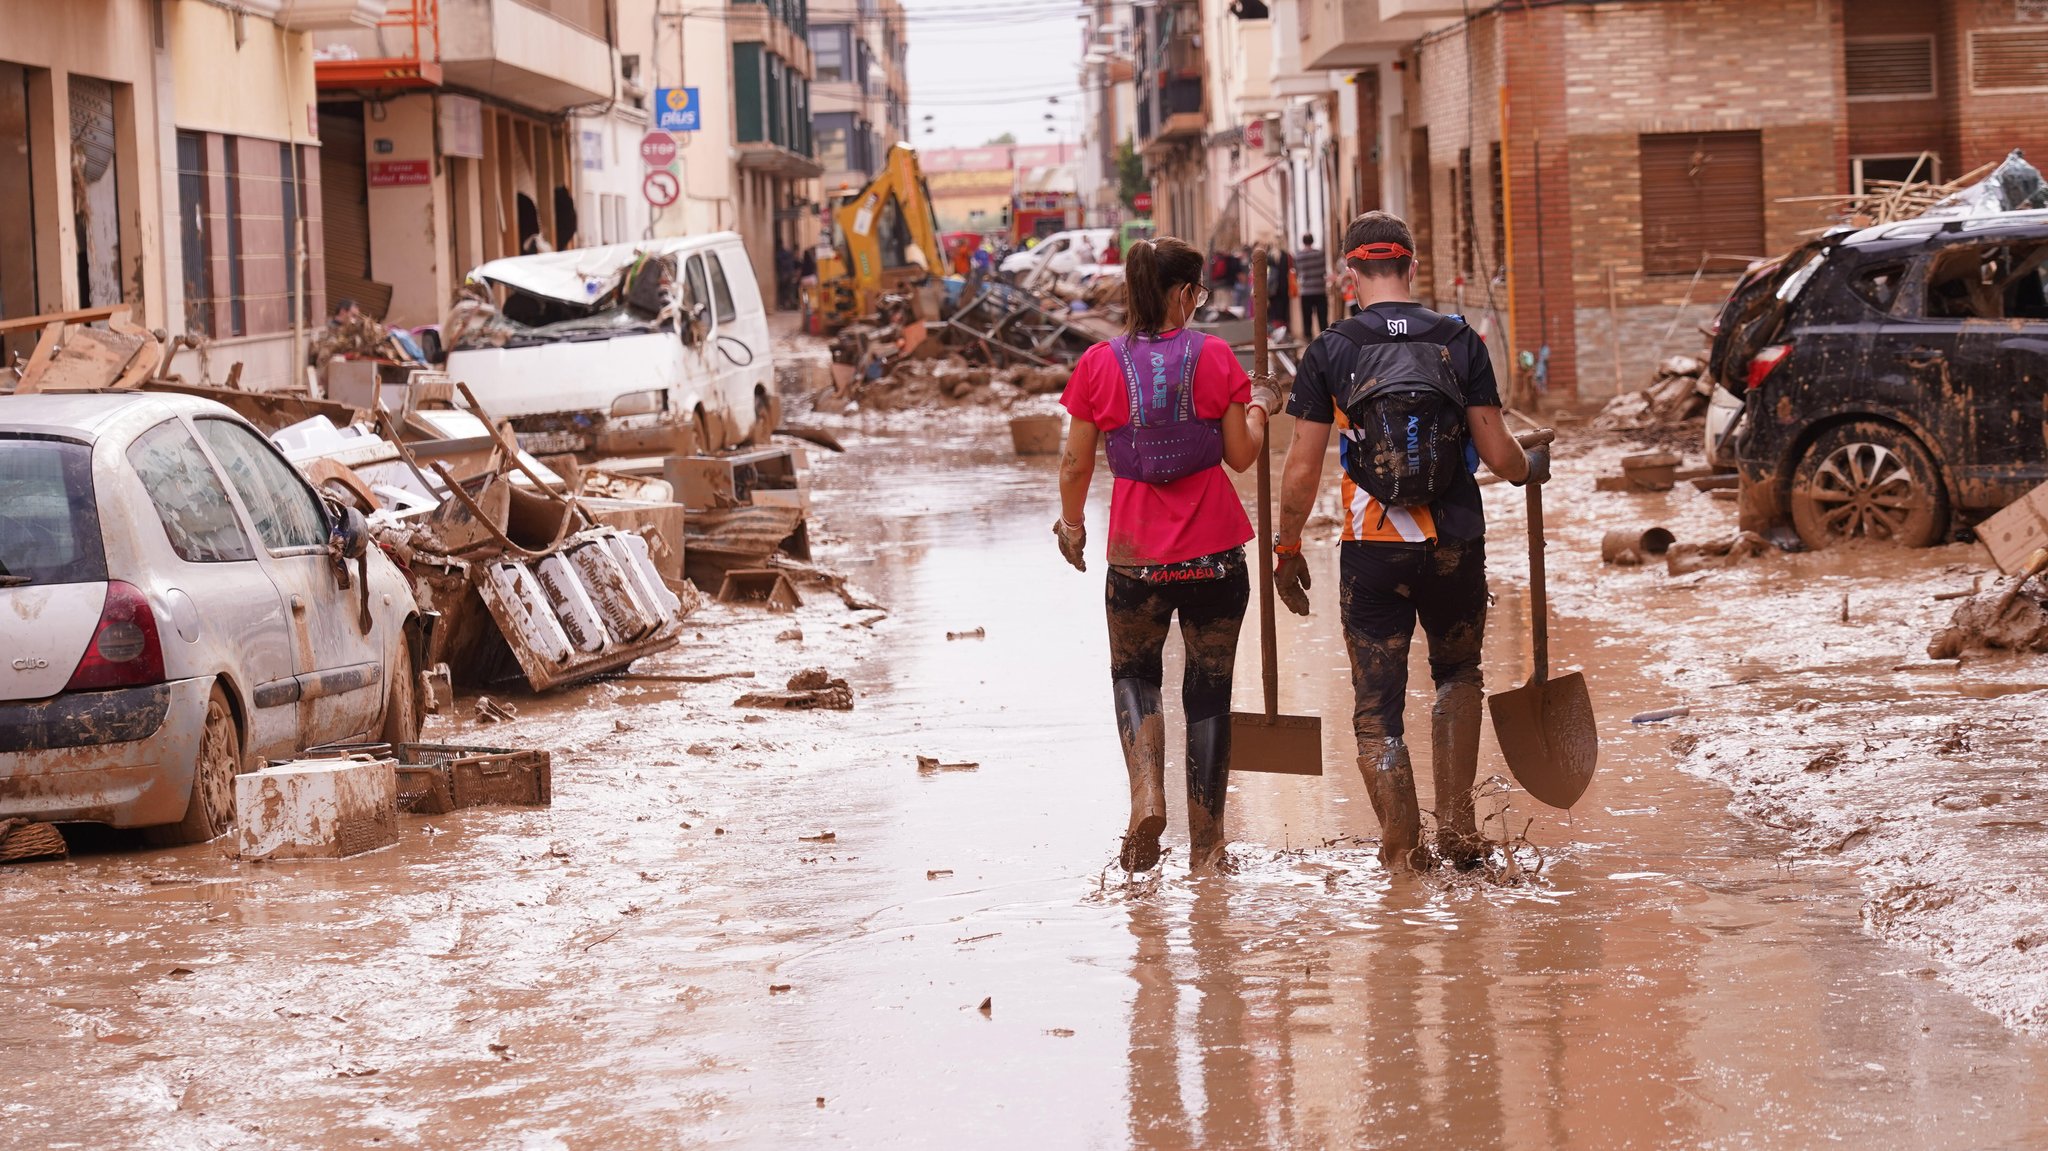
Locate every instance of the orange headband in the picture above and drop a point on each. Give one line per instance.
(1386, 250)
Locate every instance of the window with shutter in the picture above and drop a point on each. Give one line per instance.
(1703, 193)
(2009, 60)
(1890, 67)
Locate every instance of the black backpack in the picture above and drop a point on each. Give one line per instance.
(1406, 410)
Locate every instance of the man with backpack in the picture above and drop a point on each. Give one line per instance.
(1412, 396)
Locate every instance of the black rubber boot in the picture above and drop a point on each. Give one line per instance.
(1208, 788)
(1454, 762)
(1390, 781)
(1143, 732)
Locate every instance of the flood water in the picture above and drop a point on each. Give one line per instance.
(675, 956)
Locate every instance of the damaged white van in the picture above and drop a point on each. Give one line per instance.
(626, 349)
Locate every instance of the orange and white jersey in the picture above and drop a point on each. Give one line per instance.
(1365, 518)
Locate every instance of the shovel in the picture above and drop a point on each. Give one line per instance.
(1268, 741)
(1545, 727)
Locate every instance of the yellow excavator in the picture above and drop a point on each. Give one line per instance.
(885, 237)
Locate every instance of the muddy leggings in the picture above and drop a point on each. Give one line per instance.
(1384, 588)
(1211, 614)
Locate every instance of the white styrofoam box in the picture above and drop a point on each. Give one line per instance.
(573, 608)
(316, 809)
(606, 582)
(670, 604)
(533, 614)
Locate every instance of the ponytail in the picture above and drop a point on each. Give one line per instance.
(1153, 269)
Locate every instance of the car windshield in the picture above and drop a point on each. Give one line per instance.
(49, 525)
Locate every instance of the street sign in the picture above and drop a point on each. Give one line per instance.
(400, 173)
(661, 187)
(675, 109)
(658, 149)
(1142, 202)
(1255, 135)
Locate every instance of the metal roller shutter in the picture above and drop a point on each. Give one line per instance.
(345, 200)
(1702, 193)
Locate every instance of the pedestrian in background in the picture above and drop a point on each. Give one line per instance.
(1173, 406)
(1279, 285)
(1310, 274)
(1414, 531)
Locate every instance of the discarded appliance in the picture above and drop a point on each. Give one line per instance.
(764, 477)
(317, 808)
(729, 539)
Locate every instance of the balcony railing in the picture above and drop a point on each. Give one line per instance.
(415, 27)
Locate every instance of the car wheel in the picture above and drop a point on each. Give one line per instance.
(211, 809)
(765, 413)
(700, 428)
(402, 715)
(1868, 481)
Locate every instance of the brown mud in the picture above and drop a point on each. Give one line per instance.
(675, 954)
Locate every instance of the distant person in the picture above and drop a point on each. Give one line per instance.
(1311, 278)
(1414, 530)
(1173, 406)
(785, 277)
(1279, 285)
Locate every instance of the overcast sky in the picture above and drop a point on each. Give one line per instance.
(983, 67)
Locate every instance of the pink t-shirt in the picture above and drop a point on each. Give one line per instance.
(1195, 515)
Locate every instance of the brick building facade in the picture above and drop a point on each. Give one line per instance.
(1654, 147)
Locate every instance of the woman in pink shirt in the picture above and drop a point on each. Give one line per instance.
(1170, 407)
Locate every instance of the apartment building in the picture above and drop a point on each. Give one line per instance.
(161, 156)
(1109, 113)
(445, 142)
(1585, 177)
(860, 91)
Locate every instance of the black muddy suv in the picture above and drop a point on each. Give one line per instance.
(1892, 379)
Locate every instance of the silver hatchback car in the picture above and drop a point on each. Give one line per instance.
(172, 609)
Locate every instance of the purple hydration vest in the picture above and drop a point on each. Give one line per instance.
(1163, 441)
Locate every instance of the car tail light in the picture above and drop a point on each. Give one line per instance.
(1765, 362)
(124, 651)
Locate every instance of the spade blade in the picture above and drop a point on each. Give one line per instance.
(1547, 735)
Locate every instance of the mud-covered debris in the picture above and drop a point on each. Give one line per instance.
(621, 725)
(938, 872)
(779, 988)
(702, 749)
(1993, 621)
(988, 1006)
(1686, 558)
(976, 633)
(811, 689)
(490, 710)
(1660, 715)
(1060, 1032)
(821, 837)
(24, 839)
(790, 635)
(1631, 547)
(929, 765)
(501, 1050)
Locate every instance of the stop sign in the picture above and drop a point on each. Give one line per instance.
(658, 149)
(1142, 202)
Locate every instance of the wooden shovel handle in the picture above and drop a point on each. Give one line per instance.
(1262, 547)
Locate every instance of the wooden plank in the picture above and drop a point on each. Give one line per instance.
(39, 360)
(76, 316)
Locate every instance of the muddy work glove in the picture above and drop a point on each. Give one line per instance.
(1072, 538)
(1290, 580)
(1265, 398)
(1539, 467)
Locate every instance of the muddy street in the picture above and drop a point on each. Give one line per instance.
(772, 929)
